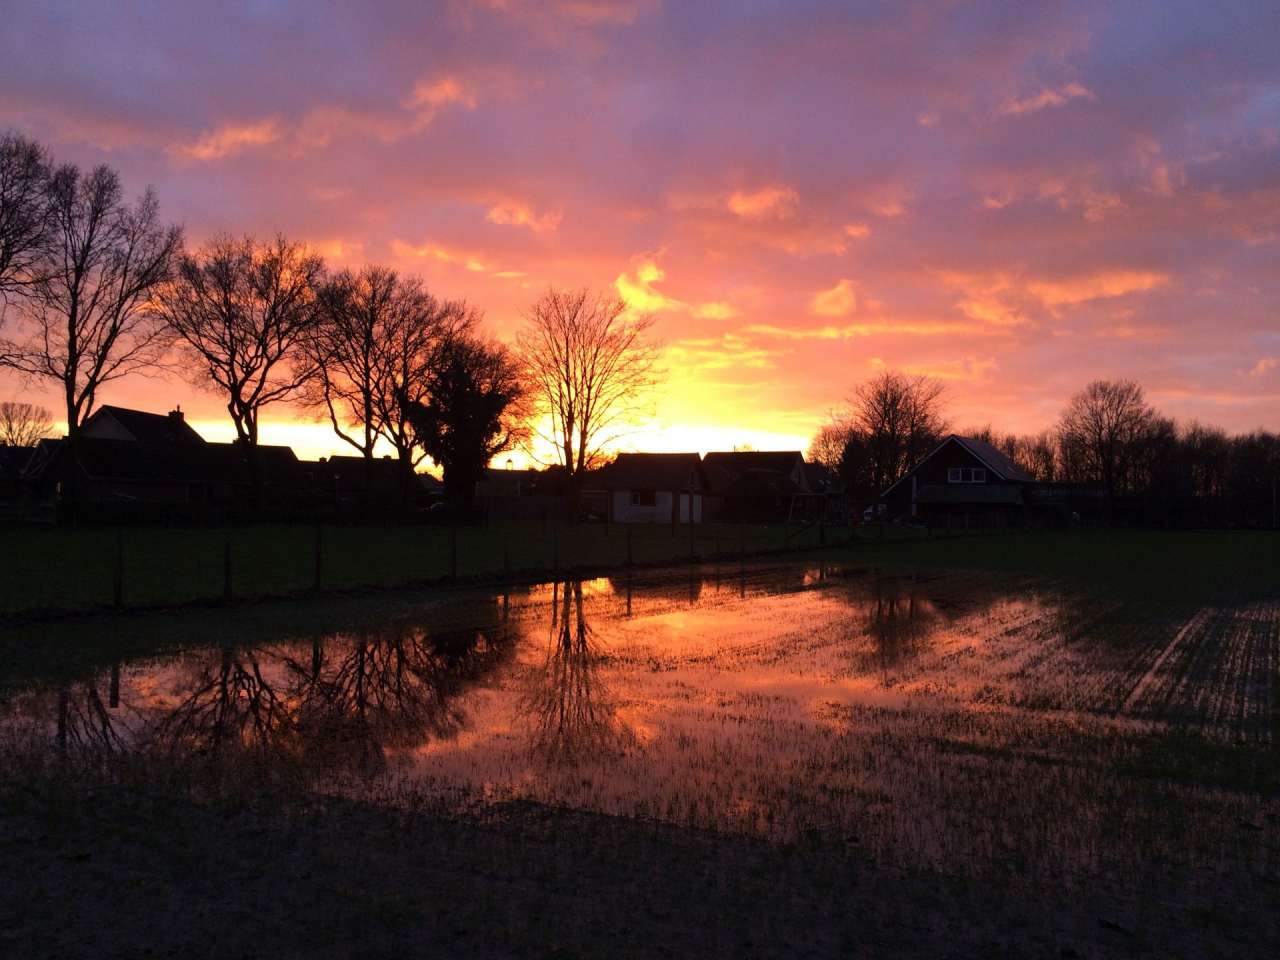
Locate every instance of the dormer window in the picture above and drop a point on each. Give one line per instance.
(966, 475)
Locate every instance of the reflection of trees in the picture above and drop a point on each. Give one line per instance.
(231, 706)
(568, 702)
(84, 721)
(392, 687)
(899, 622)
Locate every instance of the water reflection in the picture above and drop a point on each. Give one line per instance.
(568, 702)
(909, 712)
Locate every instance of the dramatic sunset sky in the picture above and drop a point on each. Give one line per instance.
(1014, 197)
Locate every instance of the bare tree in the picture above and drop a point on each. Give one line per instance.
(591, 364)
(243, 312)
(89, 320)
(1102, 432)
(24, 213)
(827, 445)
(892, 421)
(24, 424)
(372, 354)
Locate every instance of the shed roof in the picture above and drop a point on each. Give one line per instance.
(652, 471)
(726, 466)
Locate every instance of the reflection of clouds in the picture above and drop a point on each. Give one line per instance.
(568, 703)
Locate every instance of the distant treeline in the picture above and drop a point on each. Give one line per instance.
(1149, 469)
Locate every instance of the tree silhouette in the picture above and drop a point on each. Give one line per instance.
(89, 318)
(591, 365)
(477, 407)
(242, 311)
(24, 214)
(24, 424)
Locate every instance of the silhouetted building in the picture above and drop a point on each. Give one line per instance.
(961, 482)
(132, 464)
(759, 486)
(651, 488)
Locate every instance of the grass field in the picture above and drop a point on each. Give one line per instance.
(76, 569)
(68, 570)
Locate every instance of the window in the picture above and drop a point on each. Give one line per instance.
(966, 475)
(642, 498)
(953, 475)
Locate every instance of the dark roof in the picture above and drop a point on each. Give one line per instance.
(651, 471)
(724, 467)
(985, 453)
(761, 483)
(151, 427)
(993, 458)
(173, 462)
(822, 479)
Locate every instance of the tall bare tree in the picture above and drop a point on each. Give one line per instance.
(89, 319)
(1102, 433)
(592, 365)
(243, 311)
(24, 213)
(372, 354)
(890, 423)
(24, 424)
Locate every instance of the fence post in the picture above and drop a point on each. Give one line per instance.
(319, 555)
(555, 549)
(226, 569)
(628, 544)
(692, 547)
(117, 580)
(742, 539)
(506, 559)
(453, 552)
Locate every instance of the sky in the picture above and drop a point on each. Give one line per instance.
(1015, 198)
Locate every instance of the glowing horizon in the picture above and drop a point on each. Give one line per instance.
(1015, 205)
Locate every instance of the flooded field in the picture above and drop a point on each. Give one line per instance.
(956, 722)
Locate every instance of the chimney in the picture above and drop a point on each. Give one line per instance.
(175, 415)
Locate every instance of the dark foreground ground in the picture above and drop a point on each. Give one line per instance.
(108, 872)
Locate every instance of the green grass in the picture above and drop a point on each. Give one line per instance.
(1192, 566)
(61, 570)
(45, 570)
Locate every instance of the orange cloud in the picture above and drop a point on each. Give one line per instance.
(520, 215)
(1047, 98)
(773, 201)
(1098, 286)
(1265, 365)
(229, 139)
(839, 301)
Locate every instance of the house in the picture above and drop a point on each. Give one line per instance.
(651, 488)
(759, 486)
(962, 482)
(129, 463)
